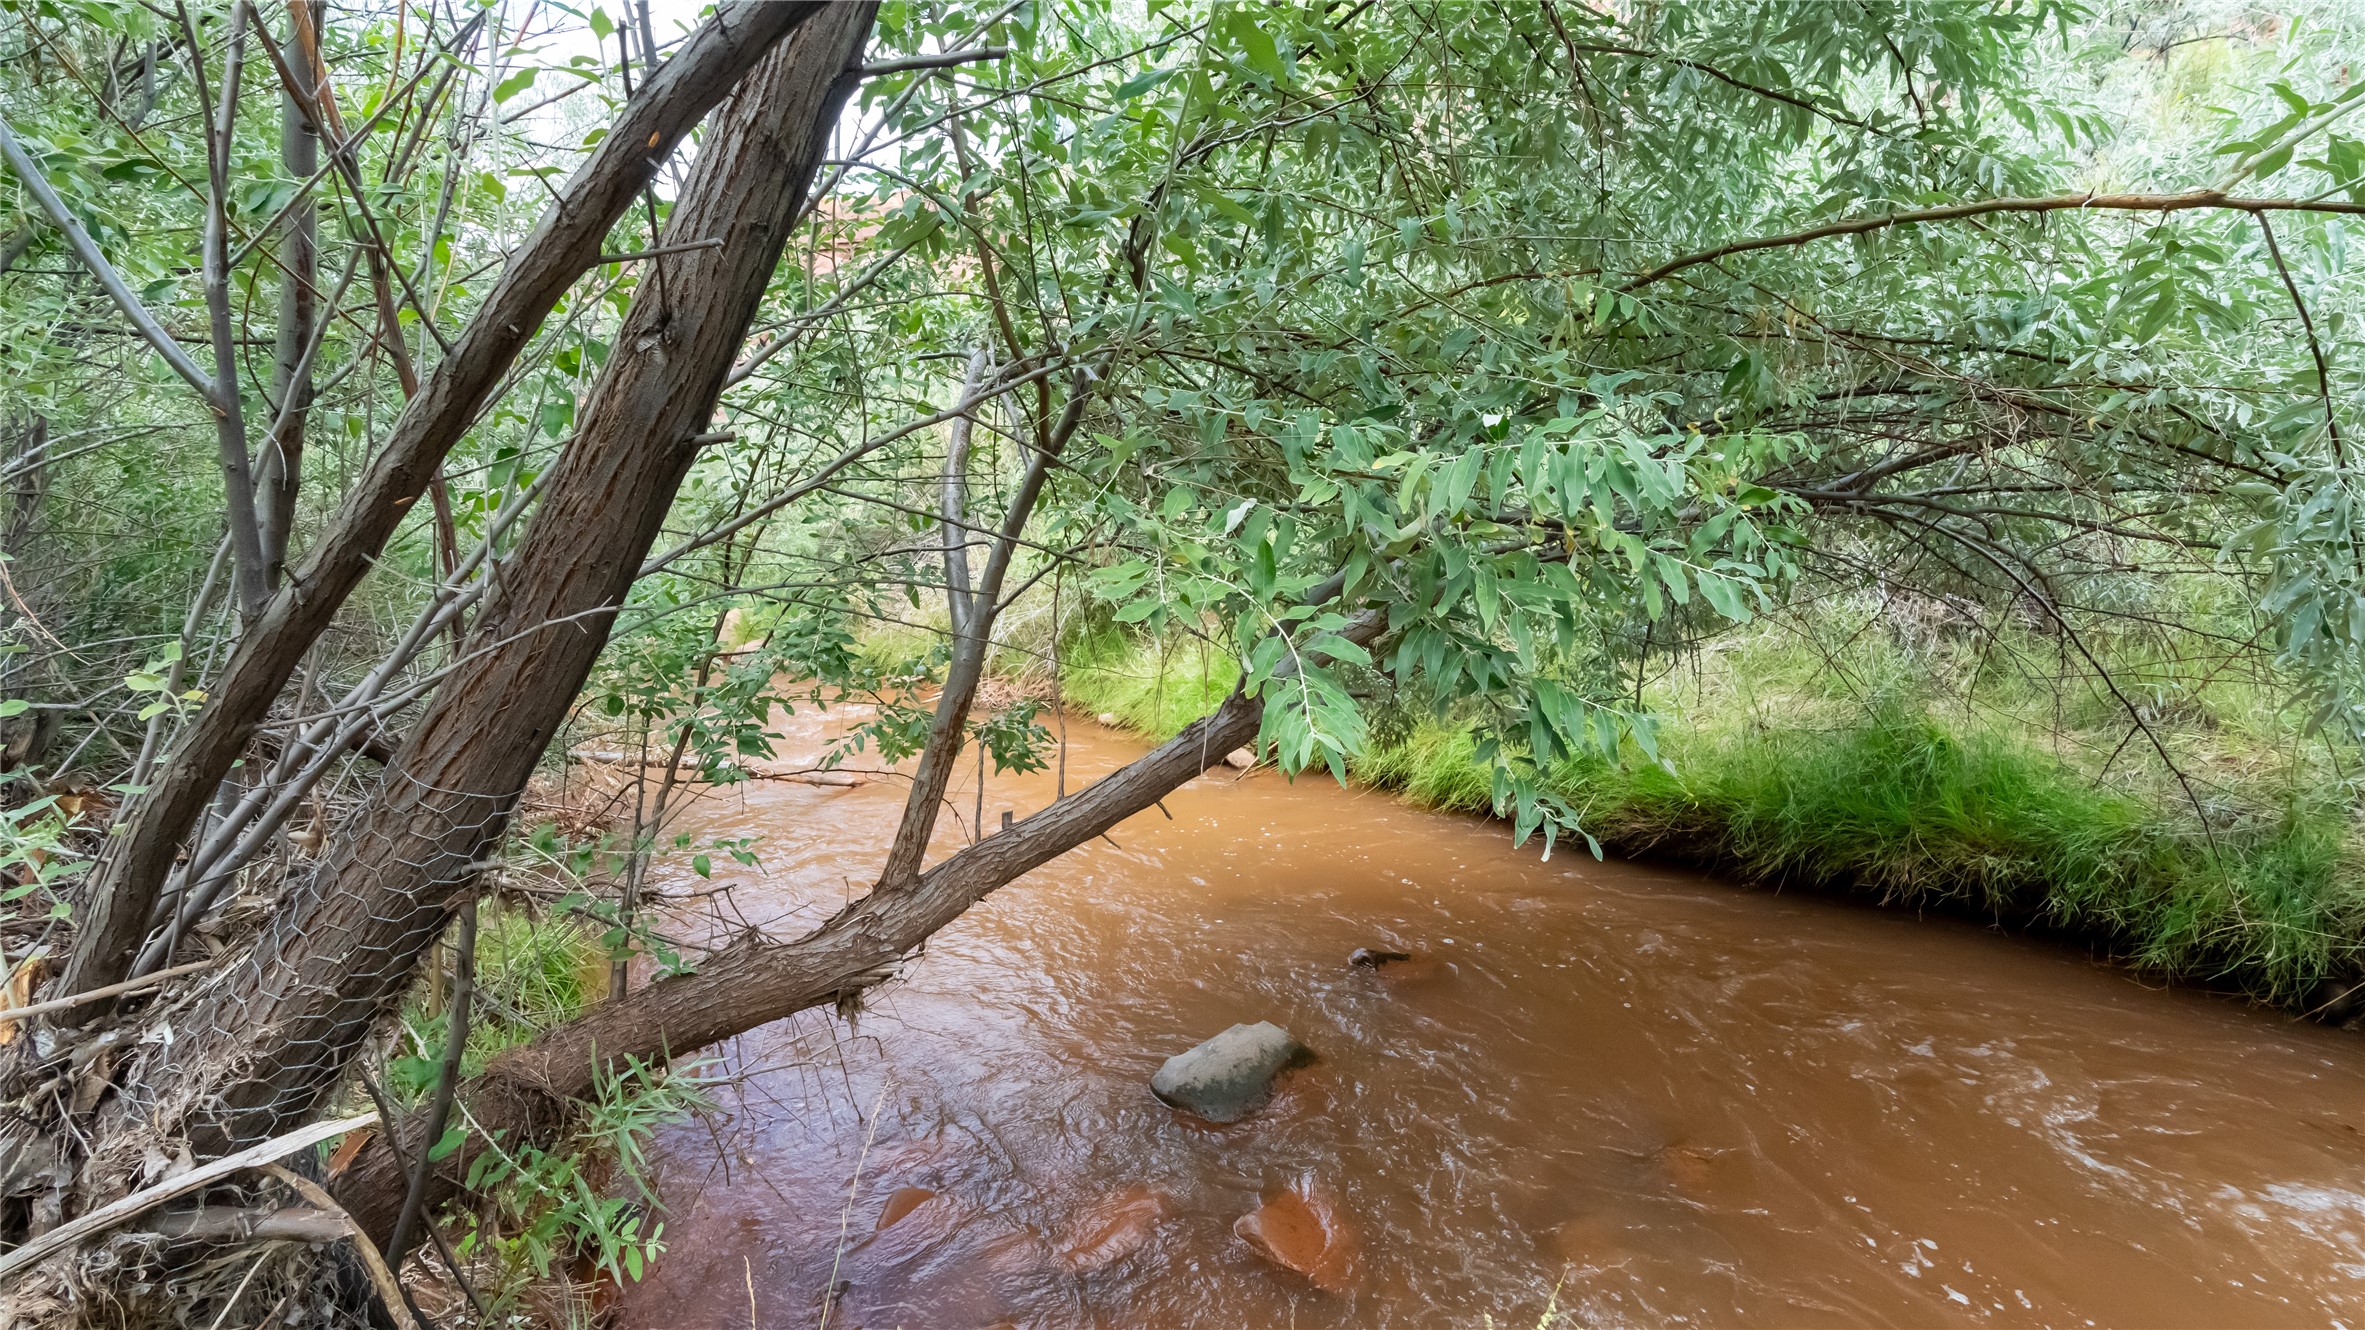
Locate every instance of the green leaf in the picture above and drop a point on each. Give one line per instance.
(15, 706)
(515, 84)
(1223, 203)
(135, 170)
(1255, 44)
(1141, 83)
(1722, 593)
(1461, 478)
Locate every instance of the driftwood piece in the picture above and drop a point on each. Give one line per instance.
(249, 1223)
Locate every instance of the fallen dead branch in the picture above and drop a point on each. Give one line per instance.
(8, 1014)
(107, 1216)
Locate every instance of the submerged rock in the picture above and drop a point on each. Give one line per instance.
(900, 1202)
(1115, 1228)
(1398, 969)
(1592, 1241)
(1231, 1075)
(1300, 1230)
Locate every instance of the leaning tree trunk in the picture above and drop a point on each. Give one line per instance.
(522, 1096)
(269, 1040)
(566, 243)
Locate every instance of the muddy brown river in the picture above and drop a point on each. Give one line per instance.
(1625, 1094)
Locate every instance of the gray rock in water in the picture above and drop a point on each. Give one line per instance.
(1230, 1076)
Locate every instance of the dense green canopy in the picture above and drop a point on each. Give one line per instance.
(1433, 360)
(1387, 300)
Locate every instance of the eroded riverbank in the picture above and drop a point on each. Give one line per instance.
(1667, 1100)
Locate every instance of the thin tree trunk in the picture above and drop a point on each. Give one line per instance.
(282, 472)
(958, 597)
(14, 245)
(269, 1040)
(447, 1083)
(30, 482)
(562, 247)
(934, 772)
(24, 739)
(229, 412)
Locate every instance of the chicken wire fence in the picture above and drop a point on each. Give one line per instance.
(340, 942)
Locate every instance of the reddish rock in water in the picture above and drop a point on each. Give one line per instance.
(1592, 1241)
(1299, 1229)
(1115, 1228)
(900, 1202)
(1696, 1171)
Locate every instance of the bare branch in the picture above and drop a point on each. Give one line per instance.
(79, 241)
(943, 61)
(2086, 202)
(2315, 347)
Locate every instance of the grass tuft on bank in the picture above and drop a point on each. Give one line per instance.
(1901, 802)
(1913, 811)
(551, 1231)
(1149, 687)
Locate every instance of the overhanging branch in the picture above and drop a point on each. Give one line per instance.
(2085, 202)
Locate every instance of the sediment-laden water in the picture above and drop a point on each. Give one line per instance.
(1639, 1096)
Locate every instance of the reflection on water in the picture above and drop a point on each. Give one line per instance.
(1652, 1098)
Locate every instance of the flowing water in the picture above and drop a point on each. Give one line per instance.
(1627, 1093)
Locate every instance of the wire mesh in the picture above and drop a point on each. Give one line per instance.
(277, 1029)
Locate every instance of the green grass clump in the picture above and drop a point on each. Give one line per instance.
(1911, 811)
(1433, 765)
(531, 974)
(1149, 687)
(895, 648)
(1785, 770)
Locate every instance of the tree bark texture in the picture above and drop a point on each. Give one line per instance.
(564, 244)
(262, 1047)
